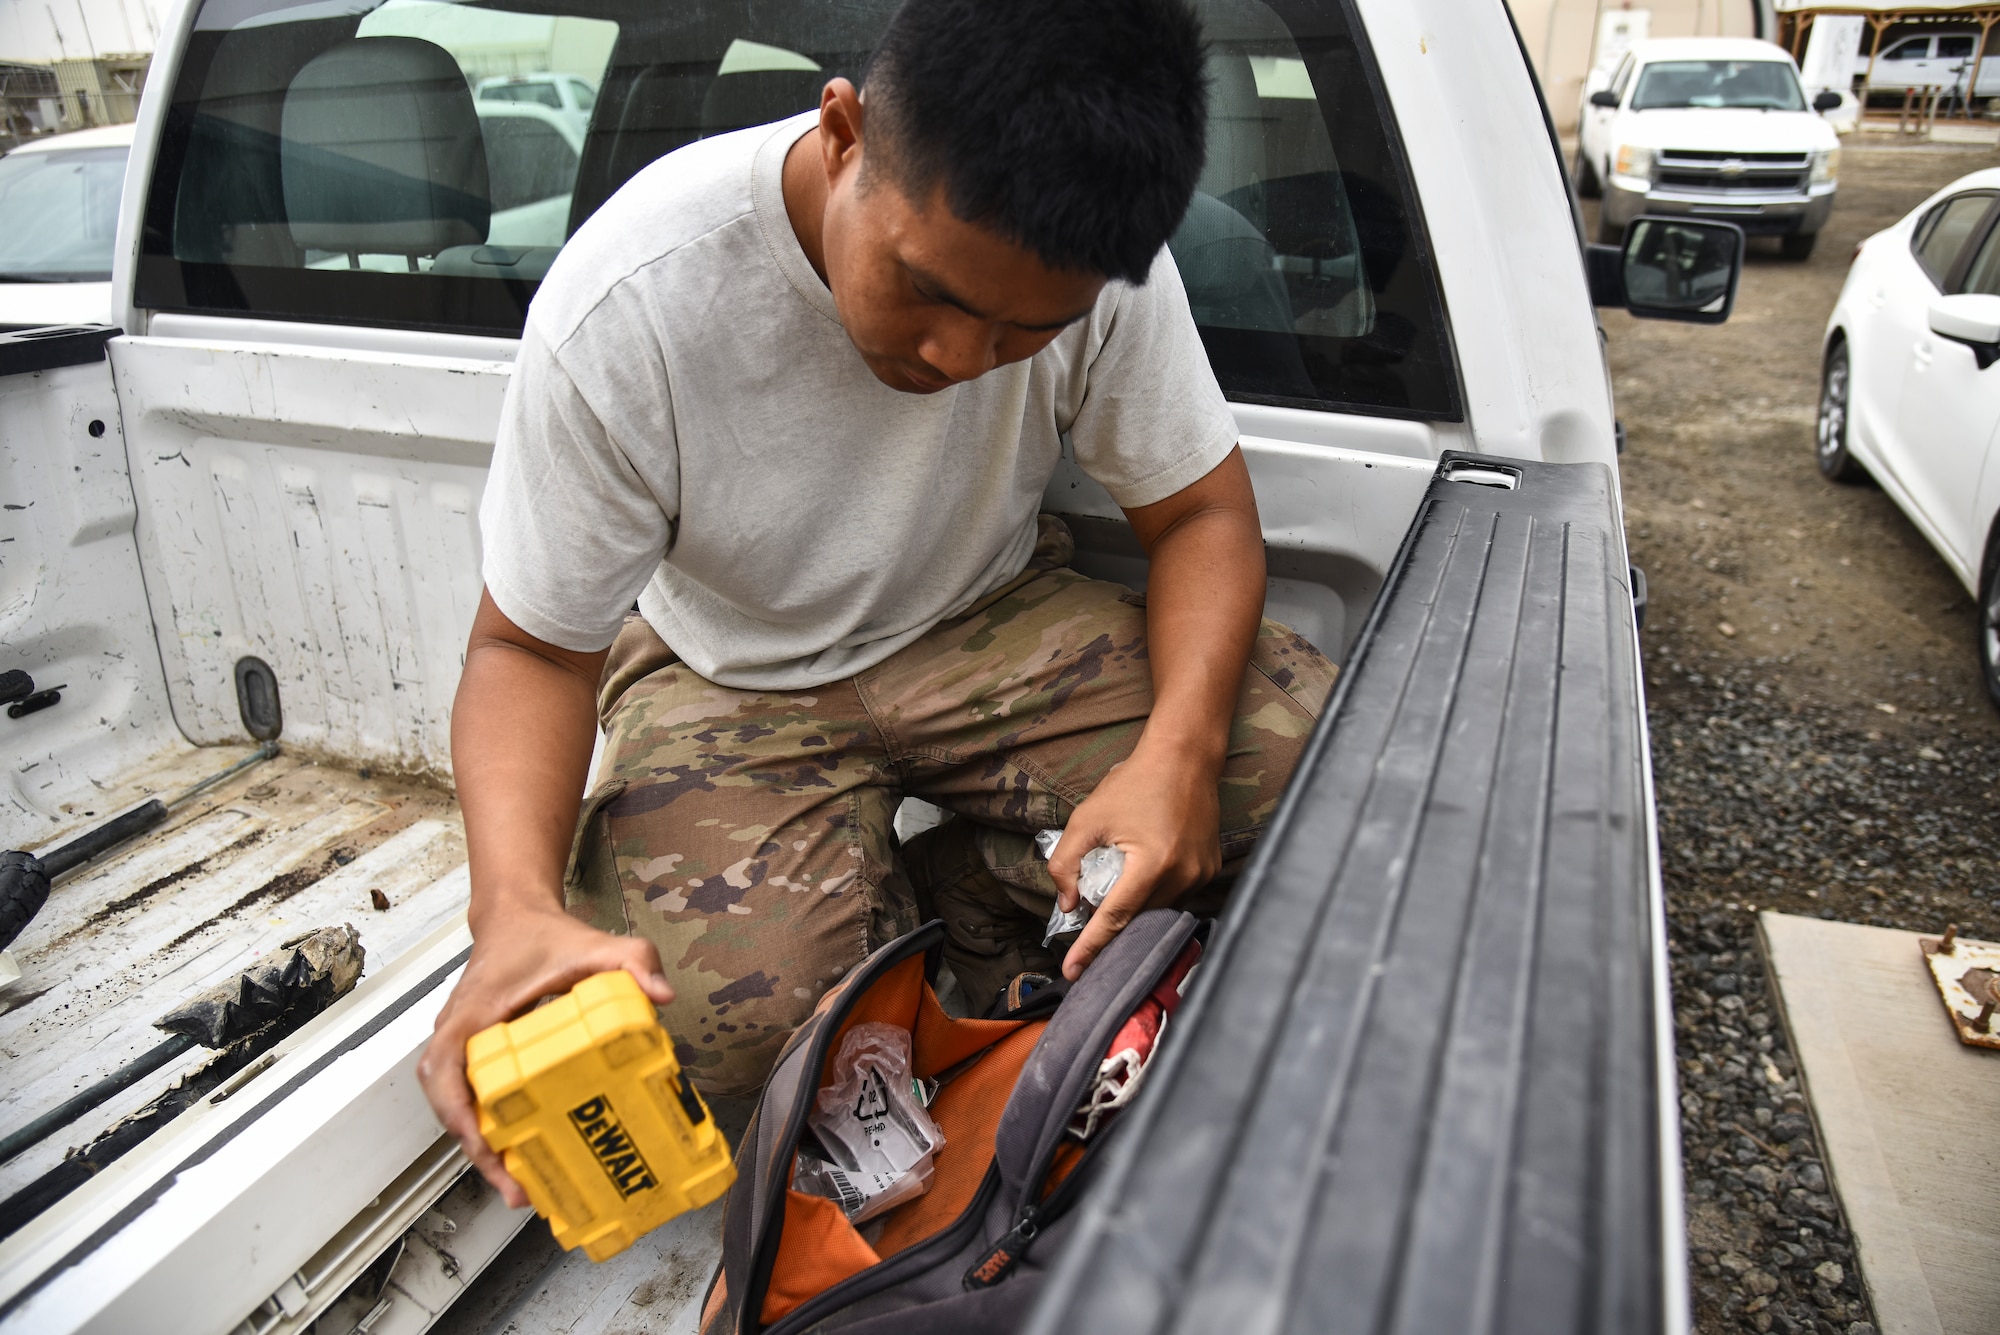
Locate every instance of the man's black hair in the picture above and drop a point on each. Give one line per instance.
(1075, 130)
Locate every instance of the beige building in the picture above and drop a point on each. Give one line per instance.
(73, 64)
(50, 97)
(1566, 37)
(101, 91)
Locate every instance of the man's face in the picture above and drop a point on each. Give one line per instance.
(930, 300)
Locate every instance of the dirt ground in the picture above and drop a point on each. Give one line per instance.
(1822, 741)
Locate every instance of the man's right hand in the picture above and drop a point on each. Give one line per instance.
(521, 734)
(534, 953)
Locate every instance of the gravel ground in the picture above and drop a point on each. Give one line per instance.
(1769, 803)
(1821, 740)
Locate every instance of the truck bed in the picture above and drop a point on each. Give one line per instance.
(284, 848)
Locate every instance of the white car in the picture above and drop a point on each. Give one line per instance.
(531, 160)
(1906, 393)
(572, 97)
(1713, 127)
(58, 219)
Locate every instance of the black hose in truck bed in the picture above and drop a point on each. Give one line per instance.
(25, 877)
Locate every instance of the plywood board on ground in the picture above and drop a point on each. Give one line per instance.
(1909, 1120)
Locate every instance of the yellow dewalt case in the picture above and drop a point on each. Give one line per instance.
(584, 1102)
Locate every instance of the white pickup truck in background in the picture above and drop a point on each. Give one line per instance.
(1709, 127)
(251, 504)
(1930, 60)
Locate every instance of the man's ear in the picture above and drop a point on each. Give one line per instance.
(840, 128)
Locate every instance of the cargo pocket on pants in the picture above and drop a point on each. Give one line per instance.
(591, 889)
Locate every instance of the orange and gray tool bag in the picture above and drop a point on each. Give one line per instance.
(1022, 1104)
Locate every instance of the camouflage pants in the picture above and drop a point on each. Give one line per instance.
(748, 835)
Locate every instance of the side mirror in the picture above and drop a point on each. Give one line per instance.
(1604, 97)
(1670, 269)
(1971, 318)
(1826, 100)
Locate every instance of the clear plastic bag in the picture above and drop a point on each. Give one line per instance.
(1102, 866)
(870, 1118)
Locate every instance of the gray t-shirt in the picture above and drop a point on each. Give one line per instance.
(689, 424)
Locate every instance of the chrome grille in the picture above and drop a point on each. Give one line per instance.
(1731, 173)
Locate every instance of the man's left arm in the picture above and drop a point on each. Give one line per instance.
(1161, 806)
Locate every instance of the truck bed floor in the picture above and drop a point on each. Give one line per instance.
(287, 847)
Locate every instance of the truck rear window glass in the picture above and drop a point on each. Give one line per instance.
(413, 163)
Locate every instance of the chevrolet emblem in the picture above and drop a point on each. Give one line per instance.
(1732, 167)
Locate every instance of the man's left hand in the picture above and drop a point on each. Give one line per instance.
(1162, 806)
(1164, 815)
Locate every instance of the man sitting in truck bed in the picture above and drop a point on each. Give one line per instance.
(799, 390)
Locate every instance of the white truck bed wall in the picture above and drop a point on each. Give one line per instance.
(72, 609)
(316, 508)
(289, 845)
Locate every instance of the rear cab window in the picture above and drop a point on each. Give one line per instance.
(339, 168)
(293, 182)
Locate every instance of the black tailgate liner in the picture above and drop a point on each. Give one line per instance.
(1419, 1087)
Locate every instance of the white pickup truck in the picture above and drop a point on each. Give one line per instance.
(1709, 127)
(1941, 60)
(1437, 1006)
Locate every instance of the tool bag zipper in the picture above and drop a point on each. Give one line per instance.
(1001, 1258)
(1035, 1212)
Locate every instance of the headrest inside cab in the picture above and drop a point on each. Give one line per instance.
(758, 97)
(382, 151)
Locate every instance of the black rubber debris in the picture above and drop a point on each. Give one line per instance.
(303, 976)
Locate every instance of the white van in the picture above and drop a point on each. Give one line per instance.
(1709, 127)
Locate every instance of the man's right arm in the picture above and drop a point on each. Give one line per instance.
(522, 729)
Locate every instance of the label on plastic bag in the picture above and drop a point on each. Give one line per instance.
(870, 1120)
(852, 1191)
